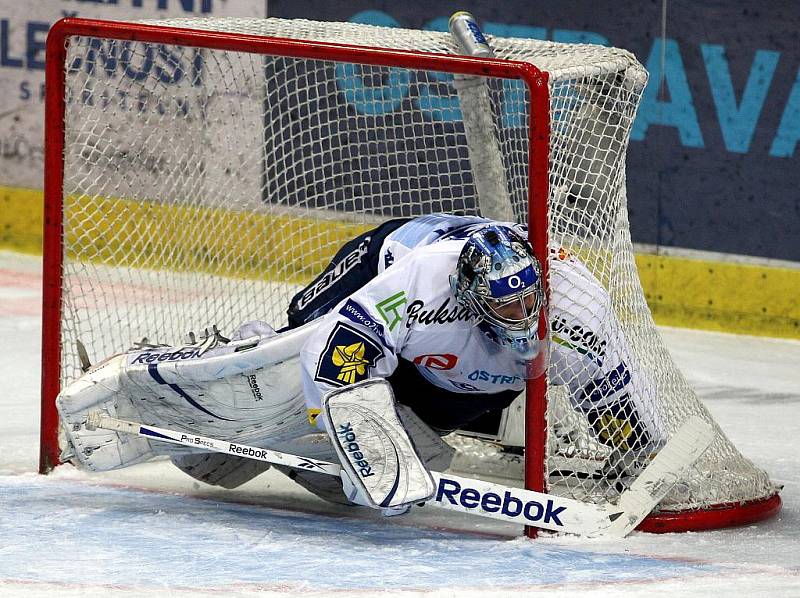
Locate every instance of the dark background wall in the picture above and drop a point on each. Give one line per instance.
(713, 163)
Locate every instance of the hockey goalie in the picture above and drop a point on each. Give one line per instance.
(442, 308)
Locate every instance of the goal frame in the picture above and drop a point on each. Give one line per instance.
(536, 81)
(55, 105)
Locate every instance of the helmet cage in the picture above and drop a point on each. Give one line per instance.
(490, 310)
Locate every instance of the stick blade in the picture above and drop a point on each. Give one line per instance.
(659, 477)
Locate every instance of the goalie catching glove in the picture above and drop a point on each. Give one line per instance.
(380, 466)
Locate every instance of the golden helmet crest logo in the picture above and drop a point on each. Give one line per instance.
(351, 359)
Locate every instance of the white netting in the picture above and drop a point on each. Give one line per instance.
(204, 187)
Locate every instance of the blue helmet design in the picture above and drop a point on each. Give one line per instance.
(498, 279)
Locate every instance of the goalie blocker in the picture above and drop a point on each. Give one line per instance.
(380, 466)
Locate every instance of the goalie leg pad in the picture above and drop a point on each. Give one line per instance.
(373, 447)
(247, 390)
(325, 486)
(220, 470)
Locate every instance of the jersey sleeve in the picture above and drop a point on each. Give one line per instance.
(591, 356)
(361, 337)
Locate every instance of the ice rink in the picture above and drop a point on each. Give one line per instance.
(151, 530)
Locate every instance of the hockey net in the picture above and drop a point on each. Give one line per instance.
(200, 171)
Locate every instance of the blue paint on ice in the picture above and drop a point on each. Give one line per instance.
(126, 537)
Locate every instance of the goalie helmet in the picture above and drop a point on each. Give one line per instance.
(498, 279)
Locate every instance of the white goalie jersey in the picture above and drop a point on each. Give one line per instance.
(405, 317)
(408, 312)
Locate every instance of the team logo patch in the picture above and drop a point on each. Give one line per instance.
(348, 357)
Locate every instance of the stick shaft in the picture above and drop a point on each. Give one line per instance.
(212, 444)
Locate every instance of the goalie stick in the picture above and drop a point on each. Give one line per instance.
(478, 497)
(485, 156)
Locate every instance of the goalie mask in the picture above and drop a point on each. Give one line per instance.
(498, 279)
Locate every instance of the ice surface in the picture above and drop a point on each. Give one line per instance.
(151, 530)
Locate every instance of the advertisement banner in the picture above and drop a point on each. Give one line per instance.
(713, 160)
(23, 33)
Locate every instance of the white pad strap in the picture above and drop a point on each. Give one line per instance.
(375, 451)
